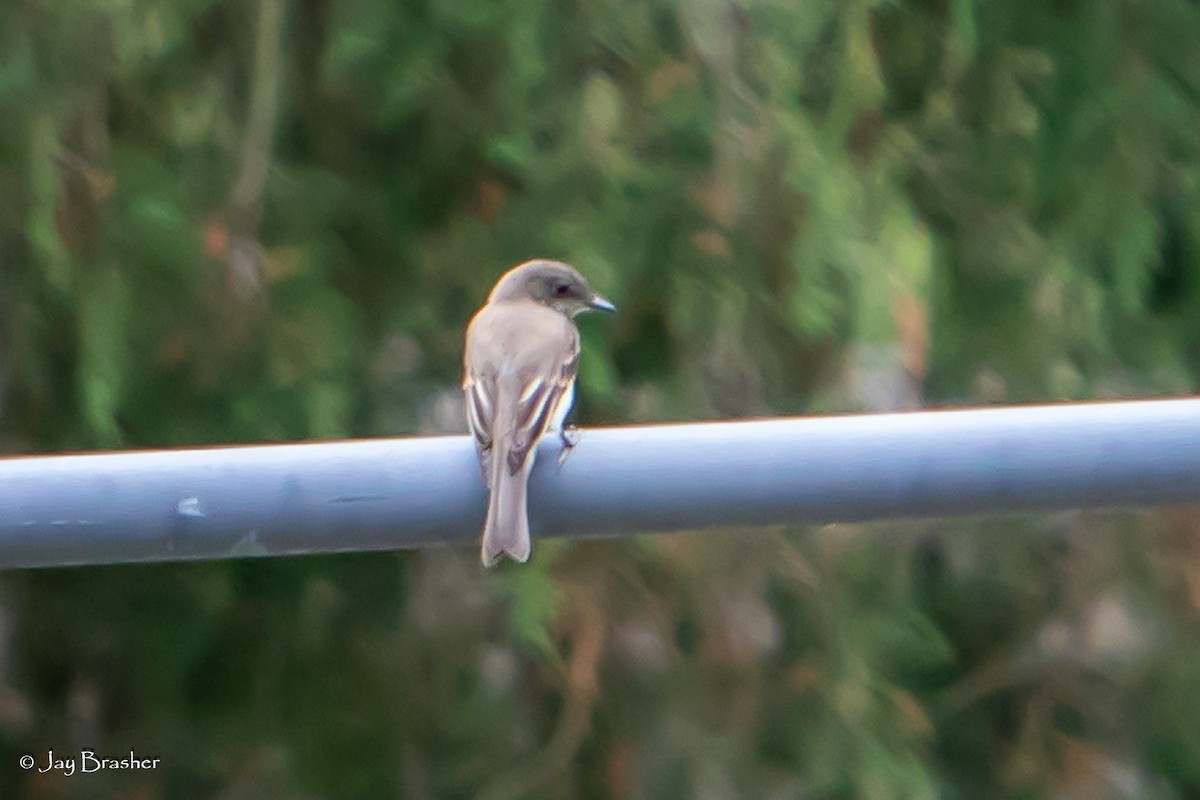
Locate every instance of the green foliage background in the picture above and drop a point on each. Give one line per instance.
(231, 222)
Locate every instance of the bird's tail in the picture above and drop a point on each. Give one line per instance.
(507, 528)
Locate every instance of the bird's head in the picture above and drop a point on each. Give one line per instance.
(551, 283)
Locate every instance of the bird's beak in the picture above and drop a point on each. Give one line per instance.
(598, 303)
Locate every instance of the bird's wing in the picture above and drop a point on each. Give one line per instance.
(481, 394)
(540, 397)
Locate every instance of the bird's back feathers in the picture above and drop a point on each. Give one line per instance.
(520, 361)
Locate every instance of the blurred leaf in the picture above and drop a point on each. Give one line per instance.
(533, 597)
(101, 363)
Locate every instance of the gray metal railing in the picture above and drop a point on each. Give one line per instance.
(410, 492)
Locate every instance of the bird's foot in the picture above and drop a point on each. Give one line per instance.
(570, 437)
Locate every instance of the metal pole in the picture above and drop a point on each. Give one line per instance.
(410, 492)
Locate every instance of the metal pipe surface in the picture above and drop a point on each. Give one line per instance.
(276, 500)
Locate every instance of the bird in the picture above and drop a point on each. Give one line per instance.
(520, 359)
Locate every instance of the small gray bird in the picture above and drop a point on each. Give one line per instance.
(519, 366)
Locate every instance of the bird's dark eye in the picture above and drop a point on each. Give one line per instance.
(561, 290)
